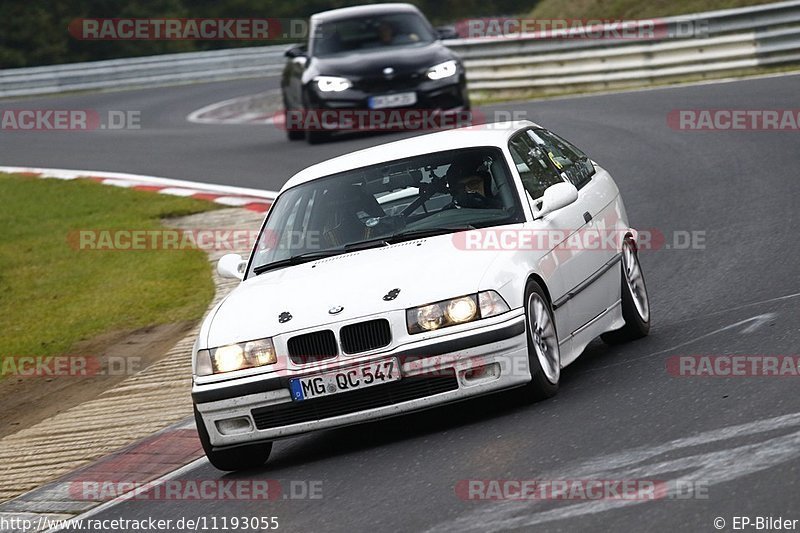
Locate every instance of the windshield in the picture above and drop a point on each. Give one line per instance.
(371, 33)
(438, 192)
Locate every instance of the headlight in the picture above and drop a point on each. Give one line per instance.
(443, 70)
(249, 354)
(456, 311)
(461, 310)
(332, 84)
(228, 358)
(428, 317)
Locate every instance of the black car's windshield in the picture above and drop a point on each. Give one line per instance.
(370, 33)
(381, 204)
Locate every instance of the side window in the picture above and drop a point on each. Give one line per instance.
(568, 159)
(531, 161)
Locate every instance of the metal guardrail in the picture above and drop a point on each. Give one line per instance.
(726, 41)
(730, 40)
(150, 71)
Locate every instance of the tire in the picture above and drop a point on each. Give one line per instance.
(239, 458)
(295, 135)
(317, 137)
(540, 329)
(314, 136)
(292, 135)
(634, 289)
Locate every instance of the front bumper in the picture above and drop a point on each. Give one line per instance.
(482, 360)
(439, 104)
(442, 94)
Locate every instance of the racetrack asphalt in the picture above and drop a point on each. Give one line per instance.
(619, 414)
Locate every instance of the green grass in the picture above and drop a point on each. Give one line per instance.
(53, 295)
(631, 9)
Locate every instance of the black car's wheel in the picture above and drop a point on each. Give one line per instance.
(295, 135)
(635, 302)
(292, 134)
(239, 458)
(317, 137)
(543, 353)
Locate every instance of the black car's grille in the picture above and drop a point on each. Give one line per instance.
(382, 84)
(409, 388)
(312, 347)
(366, 336)
(446, 99)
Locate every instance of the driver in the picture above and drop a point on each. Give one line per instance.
(340, 209)
(468, 189)
(385, 33)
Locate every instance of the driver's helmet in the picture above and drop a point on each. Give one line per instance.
(346, 206)
(469, 182)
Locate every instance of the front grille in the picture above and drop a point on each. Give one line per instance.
(409, 388)
(380, 84)
(447, 99)
(366, 336)
(312, 347)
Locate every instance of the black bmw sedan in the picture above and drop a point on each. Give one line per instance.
(362, 61)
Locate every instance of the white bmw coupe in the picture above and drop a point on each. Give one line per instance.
(414, 274)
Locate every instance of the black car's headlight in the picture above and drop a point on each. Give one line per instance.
(443, 70)
(455, 311)
(332, 84)
(233, 357)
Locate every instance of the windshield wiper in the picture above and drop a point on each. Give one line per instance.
(426, 232)
(386, 240)
(362, 245)
(297, 260)
(321, 254)
(366, 245)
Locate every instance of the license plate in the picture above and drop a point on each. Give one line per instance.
(392, 100)
(360, 377)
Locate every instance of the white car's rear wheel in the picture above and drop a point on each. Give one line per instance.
(544, 356)
(635, 302)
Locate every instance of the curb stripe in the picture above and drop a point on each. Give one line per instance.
(252, 199)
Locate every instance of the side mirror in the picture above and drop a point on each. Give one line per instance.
(296, 51)
(554, 198)
(231, 266)
(447, 32)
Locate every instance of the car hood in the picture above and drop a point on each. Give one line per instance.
(370, 64)
(424, 271)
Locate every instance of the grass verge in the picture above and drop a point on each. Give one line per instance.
(53, 295)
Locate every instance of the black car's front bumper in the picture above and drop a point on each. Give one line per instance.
(350, 109)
